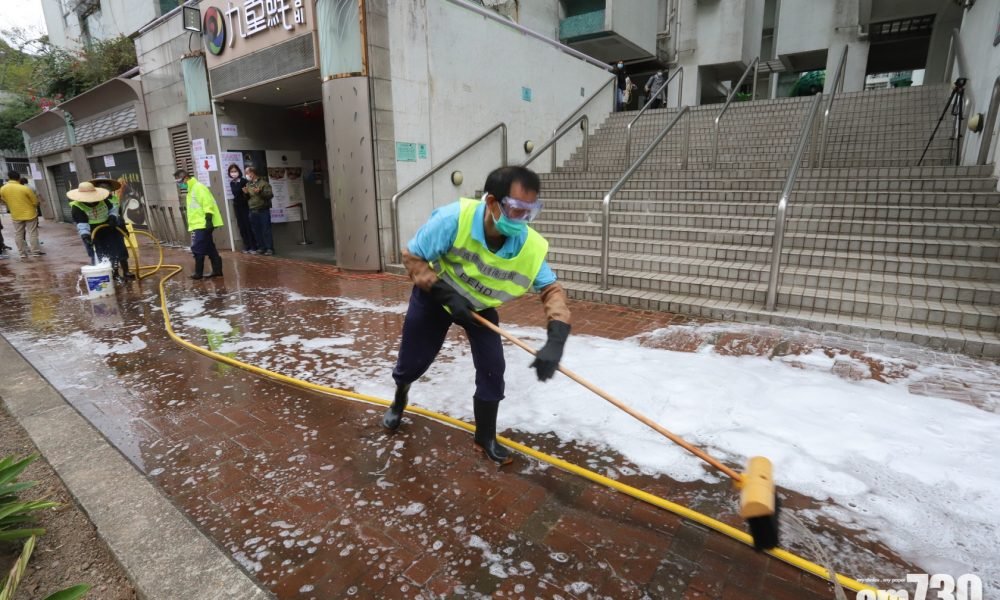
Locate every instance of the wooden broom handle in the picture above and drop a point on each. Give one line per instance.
(641, 417)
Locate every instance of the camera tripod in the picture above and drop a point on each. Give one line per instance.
(956, 102)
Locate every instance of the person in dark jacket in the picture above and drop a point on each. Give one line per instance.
(621, 75)
(236, 183)
(92, 208)
(259, 195)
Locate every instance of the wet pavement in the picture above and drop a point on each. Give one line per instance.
(315, 500)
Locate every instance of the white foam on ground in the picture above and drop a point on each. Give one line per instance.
(917, 472)
(210, 323)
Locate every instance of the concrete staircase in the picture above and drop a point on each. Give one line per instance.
(874, 245)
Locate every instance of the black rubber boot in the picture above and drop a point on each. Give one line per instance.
(216, 266)
(199, 267)
(486, 431)
(395, 413)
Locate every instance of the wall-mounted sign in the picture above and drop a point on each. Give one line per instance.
(198, 147)
(72, 167)
(36, 173)
(109, 160)
(421, 151)
(208, 163)
(229, 130)
(214, 31)
(406, 152)
(526, 94)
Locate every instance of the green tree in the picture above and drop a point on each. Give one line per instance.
(10, 115)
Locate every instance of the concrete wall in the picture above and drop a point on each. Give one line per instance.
(444, 98)
(635, 20)
(723, 32)
(807, 26)
(116, 17)
(978, 29)
(159, 51)
(540, 15)
(274, 128)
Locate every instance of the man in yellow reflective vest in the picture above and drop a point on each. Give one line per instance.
(472, 256)
(202, 217)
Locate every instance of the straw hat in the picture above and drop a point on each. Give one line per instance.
(88, 193)
(114, 184)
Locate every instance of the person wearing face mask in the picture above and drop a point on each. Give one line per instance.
(472, 256)
(203, 218)
(259, 196)
(236, 183)
(621, 86)
(654, 84)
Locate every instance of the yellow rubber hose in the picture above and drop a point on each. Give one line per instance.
(681, 511)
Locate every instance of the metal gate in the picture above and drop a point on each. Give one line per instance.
(65, 180)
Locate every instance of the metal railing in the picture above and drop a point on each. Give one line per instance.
(394, 203)
(718, 119)
(838, 83)
(606, 202)
(628, 128)
(584, 121)
(589, 99)
(779, 214)
(489, 14)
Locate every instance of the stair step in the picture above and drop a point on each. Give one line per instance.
(978, 315)
(975, 343)
(629, 255)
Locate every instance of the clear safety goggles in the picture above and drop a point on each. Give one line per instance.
(519, 210)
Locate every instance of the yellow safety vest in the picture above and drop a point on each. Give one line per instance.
(97, 212)
(482, 277)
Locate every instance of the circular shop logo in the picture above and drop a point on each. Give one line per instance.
(214, 30)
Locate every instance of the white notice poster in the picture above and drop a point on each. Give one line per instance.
(284, 172)
(36, 173)
(198, 147)
(226, 159)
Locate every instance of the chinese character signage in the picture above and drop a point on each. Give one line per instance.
(231, 26)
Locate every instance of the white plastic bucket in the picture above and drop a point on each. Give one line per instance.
(98, 279)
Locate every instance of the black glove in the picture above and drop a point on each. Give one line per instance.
(209, 227)
(461, 309)
(86, 239)
(112, 221)
(547, 359)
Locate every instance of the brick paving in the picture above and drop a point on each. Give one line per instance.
(315, 500)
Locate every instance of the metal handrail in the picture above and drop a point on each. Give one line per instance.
(838, 82)
(489, 14)
(628, 128)
(963, 68)
(552, 142)
(578, 109)
(718, 119)
(394, 203)
(606, 202)
(779, 215)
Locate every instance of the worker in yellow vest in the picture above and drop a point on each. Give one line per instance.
(203, 218)
(472, 256)
(90, 207)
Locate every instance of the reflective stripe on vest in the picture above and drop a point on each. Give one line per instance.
(483, 278)
(96, 213)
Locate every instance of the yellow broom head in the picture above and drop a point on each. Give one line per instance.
(757, 493)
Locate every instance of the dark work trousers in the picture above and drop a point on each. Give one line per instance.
(202, 246)
(260, 222)
(243, 223)
(109, 244)
(424, 330)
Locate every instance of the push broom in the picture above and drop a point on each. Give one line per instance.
(758, 497)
